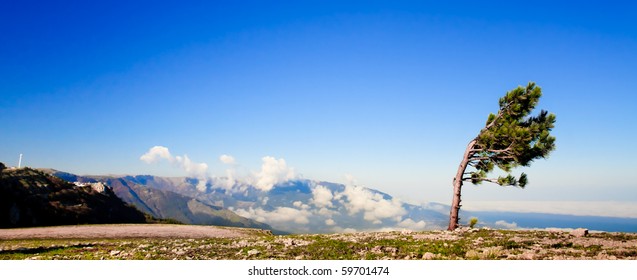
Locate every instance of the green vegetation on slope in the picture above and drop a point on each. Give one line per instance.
(31, 198)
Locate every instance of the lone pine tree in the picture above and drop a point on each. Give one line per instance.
(510, 138)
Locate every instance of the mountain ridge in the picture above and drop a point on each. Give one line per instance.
(164, 204)
(308, 206)
(29, 198)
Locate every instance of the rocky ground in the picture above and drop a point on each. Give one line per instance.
(179, 242)
(127, 231)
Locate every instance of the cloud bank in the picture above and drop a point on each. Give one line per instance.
(323, 207)
(373, 205)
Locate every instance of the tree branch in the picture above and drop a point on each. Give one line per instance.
(495, 151)
(490, 180)
(479, 158)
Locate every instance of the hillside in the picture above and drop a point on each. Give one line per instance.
(170, 205)
(30, 198)
(297, 206)
(165, 204)
(308, 206)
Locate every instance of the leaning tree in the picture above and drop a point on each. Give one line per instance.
(509, 139)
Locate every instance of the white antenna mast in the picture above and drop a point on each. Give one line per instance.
(20, 161)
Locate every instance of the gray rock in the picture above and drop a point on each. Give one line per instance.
(253, 252)
(580, 232)
(428, 256)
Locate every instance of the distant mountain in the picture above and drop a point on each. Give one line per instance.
(307, 206)
(165, 204)
(297, 206)
(30, 198)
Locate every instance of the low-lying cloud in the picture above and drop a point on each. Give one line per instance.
(322, 196)
(280, 215)
(273, 171)
(373, 205)
(506, 225)
(322, 208)
(193, 169)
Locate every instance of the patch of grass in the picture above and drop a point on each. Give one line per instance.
(589, 251)
(327, 249)
(561, 245)
(615, 236)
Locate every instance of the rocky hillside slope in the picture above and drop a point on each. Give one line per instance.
(165, 204)
(30, 198)
(170, 205)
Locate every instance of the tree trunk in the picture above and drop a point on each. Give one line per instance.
(457, 186)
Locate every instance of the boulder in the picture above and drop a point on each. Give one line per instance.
(428, 256)
(580, 232)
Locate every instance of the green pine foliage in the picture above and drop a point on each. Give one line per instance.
(512, 138)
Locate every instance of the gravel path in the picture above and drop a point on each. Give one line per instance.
(127, 231)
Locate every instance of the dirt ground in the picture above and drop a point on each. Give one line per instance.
(126, 231)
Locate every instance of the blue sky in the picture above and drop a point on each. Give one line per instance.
(389, 92)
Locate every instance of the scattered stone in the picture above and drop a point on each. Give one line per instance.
(472, 254)
(289, 242)
(580, 232)
(253, 252)
(512, 245)
(428, 256)
(377, 250)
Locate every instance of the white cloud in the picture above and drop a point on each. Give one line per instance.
(326, 212)
(411, 224)
(280, 215)
(349, 230)
(373, 205)
(505, 224)
(273, 171)
(226, 159)
(350, 180)
(330, 222)
(322, 196)
(301, 205)
(156, 153)
(193, 169)
(229, 181)
(343, 230)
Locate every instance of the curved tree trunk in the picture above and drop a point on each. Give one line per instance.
(457, 186)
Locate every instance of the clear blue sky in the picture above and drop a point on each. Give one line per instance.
(389, 92)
